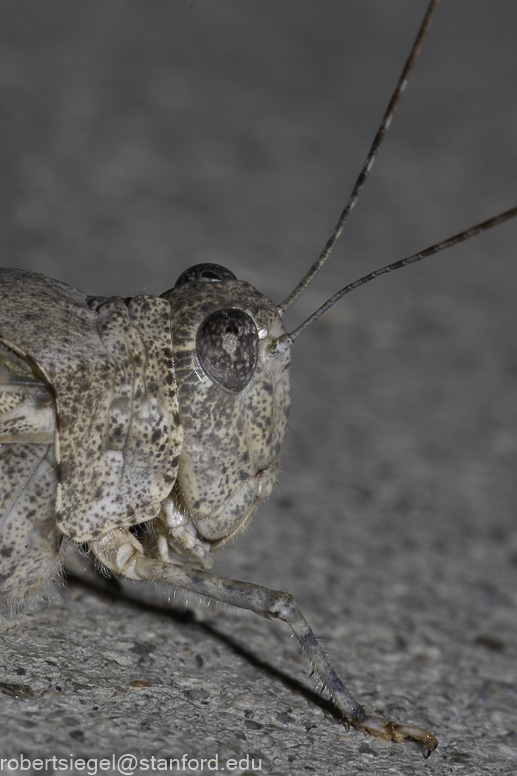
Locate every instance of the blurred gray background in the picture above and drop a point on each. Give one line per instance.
(138, 139)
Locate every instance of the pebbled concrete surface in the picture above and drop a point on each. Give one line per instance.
(138, 139)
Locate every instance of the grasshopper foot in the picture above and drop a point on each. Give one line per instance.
(392, 731)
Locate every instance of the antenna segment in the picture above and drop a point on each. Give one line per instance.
(370, 159)
(285, 342)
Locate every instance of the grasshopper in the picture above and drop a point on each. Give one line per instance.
(165, 411)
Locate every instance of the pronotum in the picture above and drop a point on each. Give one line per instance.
(43, 376)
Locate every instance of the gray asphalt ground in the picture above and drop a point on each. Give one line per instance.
(141, 138)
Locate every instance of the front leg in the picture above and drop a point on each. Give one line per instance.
(120, 551)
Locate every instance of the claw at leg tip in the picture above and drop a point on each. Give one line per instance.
(382, 727)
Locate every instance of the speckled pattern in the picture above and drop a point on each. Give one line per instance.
(232, 441)
(30, 547)
(26, 404)
(118, 439)
(29, 542)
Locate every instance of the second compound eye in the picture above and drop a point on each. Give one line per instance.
(227, 348)
(211, 272)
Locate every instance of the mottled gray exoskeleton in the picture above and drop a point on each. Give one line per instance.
(166, 411)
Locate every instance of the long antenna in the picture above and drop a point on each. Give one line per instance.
(287, 340)
(370, 159)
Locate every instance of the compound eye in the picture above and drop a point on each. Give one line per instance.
(227, 347)
(212, 272)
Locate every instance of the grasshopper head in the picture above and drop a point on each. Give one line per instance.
(233, 390)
